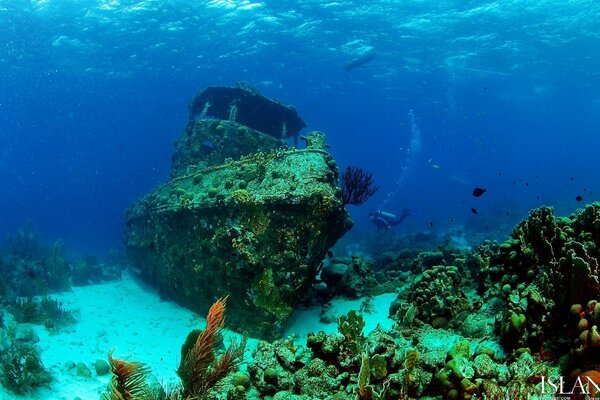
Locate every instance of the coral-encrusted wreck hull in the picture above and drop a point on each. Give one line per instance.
(256, 229)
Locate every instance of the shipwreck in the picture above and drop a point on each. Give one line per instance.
(244, 214)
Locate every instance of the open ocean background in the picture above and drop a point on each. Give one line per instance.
(505, 95)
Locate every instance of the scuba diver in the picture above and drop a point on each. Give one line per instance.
(385, 220)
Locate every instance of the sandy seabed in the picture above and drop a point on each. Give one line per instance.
(129, 318)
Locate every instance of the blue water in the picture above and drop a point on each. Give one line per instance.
(504, 95)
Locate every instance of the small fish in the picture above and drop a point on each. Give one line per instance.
(578, 198)
(478, 191)
(436, 166)
(431, 224)
(474, 210)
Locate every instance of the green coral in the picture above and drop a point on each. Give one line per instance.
(315, 141)
(438, 296)
(457, 375)
(351, 326)
(242, 197)
(364, 390)
(378, 367)
(549, 263)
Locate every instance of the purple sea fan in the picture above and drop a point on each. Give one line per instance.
(357, 186)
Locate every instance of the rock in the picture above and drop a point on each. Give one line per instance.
(485, 367)
(102, 367)
(83, 370)
(333, 273)
(4, 340)
(69, 365)
(271, 376)
(25, 333)
(358, 279)
(241, 379)
(329, 315)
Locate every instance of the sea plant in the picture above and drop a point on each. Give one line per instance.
(46, 311)
(201, 370)
(351, 326)
(21, 367)
(128, 380)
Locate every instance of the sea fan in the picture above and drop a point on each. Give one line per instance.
(357, 186)
(128, 381)
(200, 370)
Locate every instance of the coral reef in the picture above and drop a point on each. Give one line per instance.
(472, 324)
(585, 352)
(438, 296)
(46, 311)
(31, 267)
(549, 265)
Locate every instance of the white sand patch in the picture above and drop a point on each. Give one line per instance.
(125, 316)
(308, 320)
